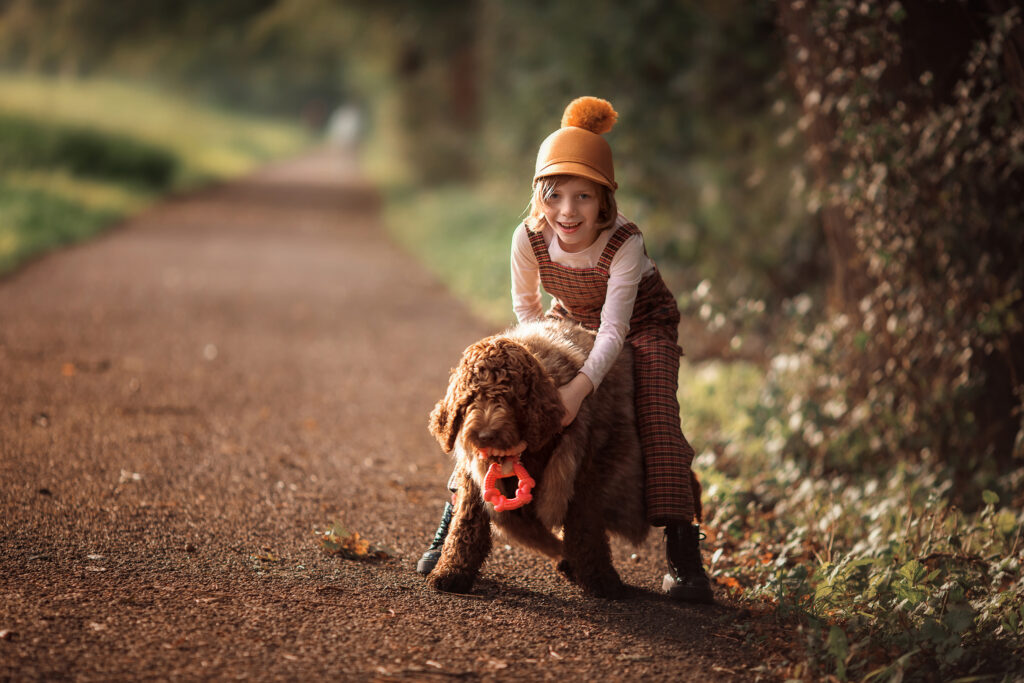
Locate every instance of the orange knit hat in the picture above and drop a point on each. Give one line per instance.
(577, 148)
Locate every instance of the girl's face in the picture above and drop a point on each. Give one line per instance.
(571, 209)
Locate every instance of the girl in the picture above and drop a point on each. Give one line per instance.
(592, 261)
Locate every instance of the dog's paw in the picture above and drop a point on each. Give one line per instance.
(564, 568)
(608, 586)
(452, 582)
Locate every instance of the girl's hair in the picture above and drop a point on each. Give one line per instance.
(544, 187)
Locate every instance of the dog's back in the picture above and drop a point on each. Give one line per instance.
(599, 453)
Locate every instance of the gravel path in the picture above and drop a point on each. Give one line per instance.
(185, 400)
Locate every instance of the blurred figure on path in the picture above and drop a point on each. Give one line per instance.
(345, 127)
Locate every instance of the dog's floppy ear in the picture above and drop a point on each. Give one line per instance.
(446, 417)
(541, 406)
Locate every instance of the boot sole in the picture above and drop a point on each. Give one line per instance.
(686, 593)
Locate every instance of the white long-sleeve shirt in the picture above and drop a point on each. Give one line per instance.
(629, 265)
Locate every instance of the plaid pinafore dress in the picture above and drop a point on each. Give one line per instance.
(579, 295)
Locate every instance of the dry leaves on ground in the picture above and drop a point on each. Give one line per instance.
(337, 540)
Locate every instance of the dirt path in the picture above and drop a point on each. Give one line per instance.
(184, 400)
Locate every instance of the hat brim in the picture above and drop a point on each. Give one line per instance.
(575, 168)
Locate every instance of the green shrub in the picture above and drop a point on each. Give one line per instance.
(85, 152)
(883, 576)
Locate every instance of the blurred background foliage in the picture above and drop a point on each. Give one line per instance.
(834, 188)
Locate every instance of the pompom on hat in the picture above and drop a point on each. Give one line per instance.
(577, 148)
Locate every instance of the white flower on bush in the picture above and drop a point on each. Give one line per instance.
(813, 436)
(786, 362)
(802, 304)
(834, 408)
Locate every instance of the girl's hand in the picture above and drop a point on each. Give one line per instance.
(572, 395)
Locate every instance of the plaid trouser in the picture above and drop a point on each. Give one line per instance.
(579, 295)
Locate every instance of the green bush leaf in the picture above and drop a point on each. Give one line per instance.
(1006, 522)
(990, 497)
(959, 619)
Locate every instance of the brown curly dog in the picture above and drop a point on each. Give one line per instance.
(589, 476)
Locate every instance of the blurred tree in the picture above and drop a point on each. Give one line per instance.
(914, 112)
(435, 64)
(283, 56)
(697, 158)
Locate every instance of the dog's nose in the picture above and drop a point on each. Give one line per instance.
(485, 436)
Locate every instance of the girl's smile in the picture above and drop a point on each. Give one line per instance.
(571, 209)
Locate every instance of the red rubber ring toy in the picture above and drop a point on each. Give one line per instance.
(523, 491)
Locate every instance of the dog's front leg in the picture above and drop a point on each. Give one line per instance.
(468, 543)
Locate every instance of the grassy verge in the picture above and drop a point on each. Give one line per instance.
(852, 577)
(463, 235)
(77, 155)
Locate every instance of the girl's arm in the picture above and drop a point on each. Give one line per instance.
(572, 395)
(526, 301)
(627, 269)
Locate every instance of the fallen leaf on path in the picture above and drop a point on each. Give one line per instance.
(633, 658)
(267, 555)
(729, 582)
(68, 369)
(337, 540)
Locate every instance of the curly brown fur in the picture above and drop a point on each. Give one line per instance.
(589, 475)
(468, 544)
(489, 391)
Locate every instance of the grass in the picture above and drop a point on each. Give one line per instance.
(210, 142)
(76, 155)
(35, 221)
(463, 235)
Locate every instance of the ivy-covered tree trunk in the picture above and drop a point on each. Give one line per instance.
(914, 115)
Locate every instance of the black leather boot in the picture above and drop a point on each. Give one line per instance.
(433, 554)
(686, 579)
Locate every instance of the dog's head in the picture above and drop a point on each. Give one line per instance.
(498, 397)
